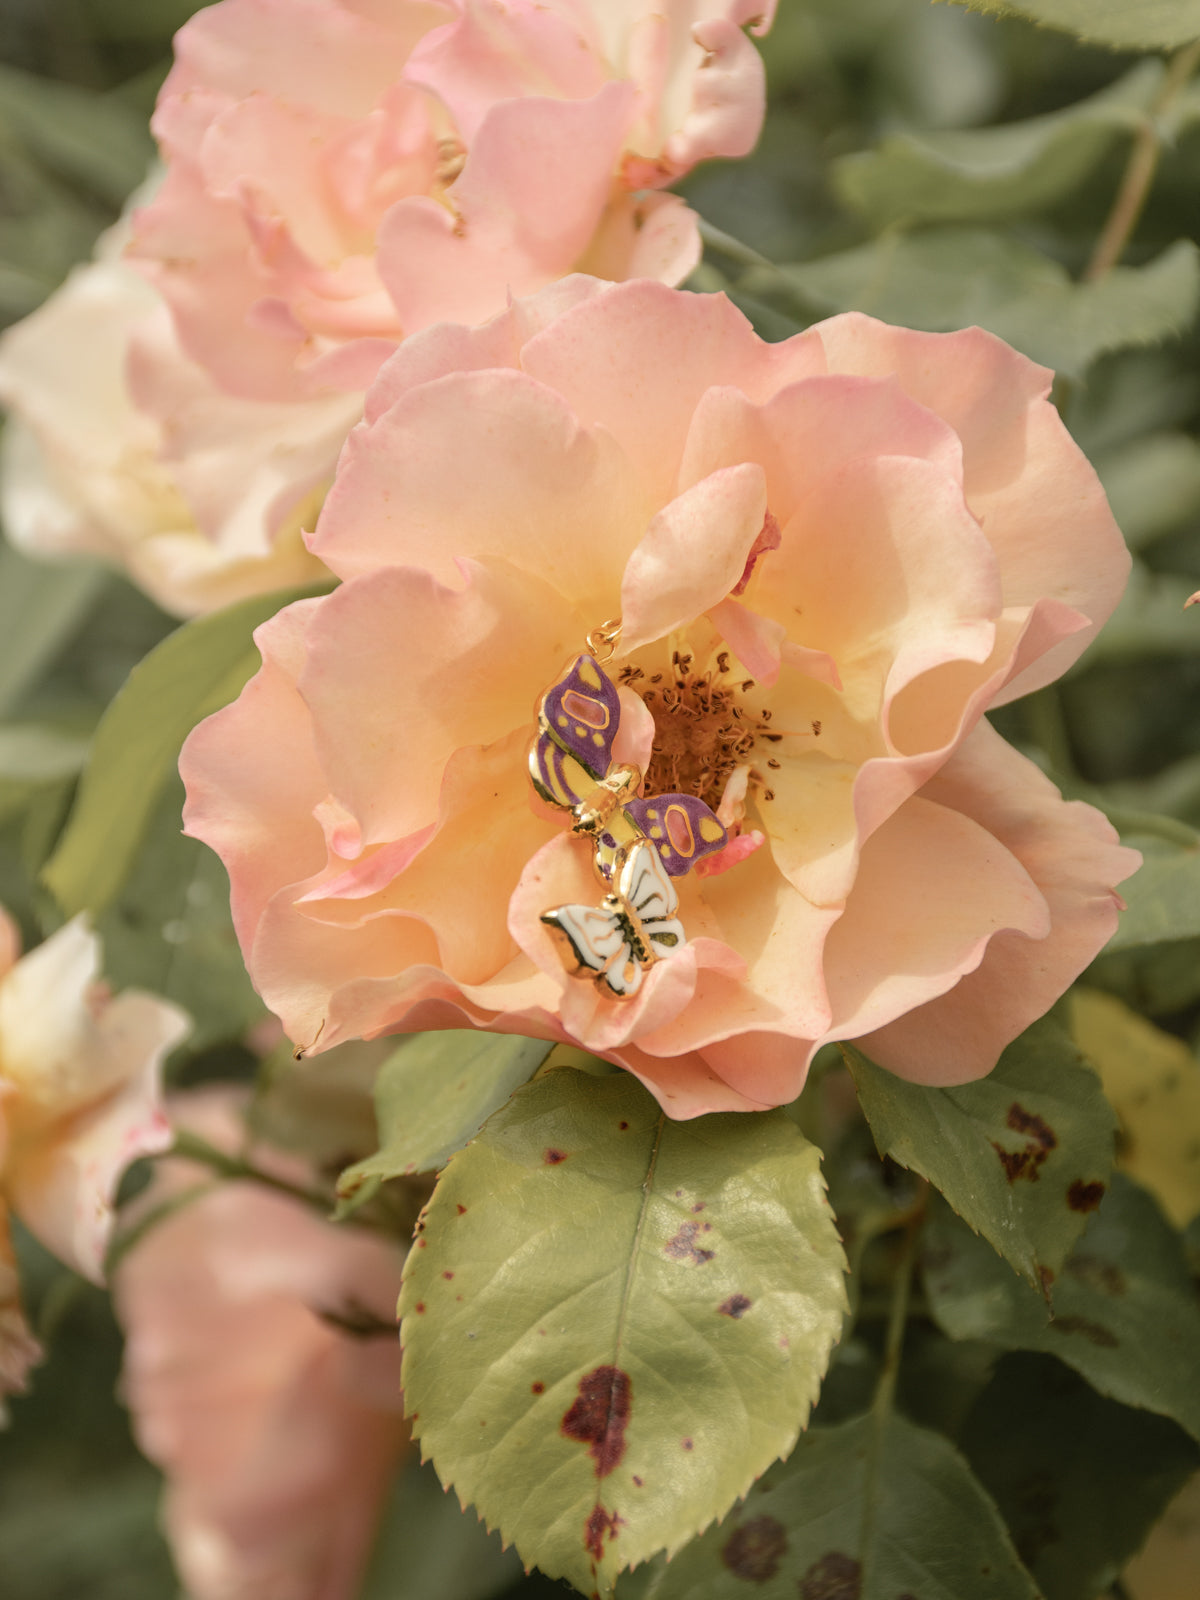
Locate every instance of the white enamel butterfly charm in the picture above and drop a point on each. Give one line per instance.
(633, 927)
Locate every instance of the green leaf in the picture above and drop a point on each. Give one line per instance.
(89, 138)
(40, 605)
(946, 278)
(155, 20)
(875, 1509)
(1136, 24)
(35, 754)
(434, 1092)
(107, 1545)
(1125, 1311)
(1080, 1480)
(429, 1549)
(1153, 485)
(1022, 1154)
(169, 930)
(1162, 898)
(976, 173)
(195, 670)
(37, 764)
(613, 1323)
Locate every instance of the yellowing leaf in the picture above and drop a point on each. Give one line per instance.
(614, 1323)
(1167, 1567)
(1153, 1083)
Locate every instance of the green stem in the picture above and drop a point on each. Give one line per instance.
(885, 1389)
(1141, 167)
(122, 1243)
(733, 249)
(1151, 825)
(191, 1147)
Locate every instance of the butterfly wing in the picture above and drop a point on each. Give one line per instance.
(577, 723)
(646, 886)
(592, 940)
(682, 828)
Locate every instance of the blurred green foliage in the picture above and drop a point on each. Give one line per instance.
(926, 163)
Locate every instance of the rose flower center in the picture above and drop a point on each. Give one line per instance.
(704, 726)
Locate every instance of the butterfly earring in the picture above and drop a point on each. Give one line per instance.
(639, 845)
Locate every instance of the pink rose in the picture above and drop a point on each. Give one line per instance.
(278, 1431)
(79, 1100)
(341, 174)
(829, 557)
(118, 446)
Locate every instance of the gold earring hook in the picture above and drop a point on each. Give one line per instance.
(604, 639)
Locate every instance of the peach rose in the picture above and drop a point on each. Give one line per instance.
(79, 1100)
(278, 1431)
(120, 447)
(829, 557)
(341, 173)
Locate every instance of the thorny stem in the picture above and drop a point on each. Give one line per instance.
(1141, 167)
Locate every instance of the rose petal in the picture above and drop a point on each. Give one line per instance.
(62, 1175)
(544, 165)
(447, 668)
(909, 931)
(692, 553)
(253, 777)
(279, 1455)
(404, 498)
(1072, 854)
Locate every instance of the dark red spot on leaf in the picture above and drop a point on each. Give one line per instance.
(1084, 1196)
(599, 1523)
(419, 1308)
(462, 1210)
(683, 1246)
(447, 1275)
(1097, 1274)
(753, 1551)
(736, 1306)
(1040, 1140)
(623, 1126)
(552, 1157)
(1089, 1330)
(637, 1480)
(699, 1206)
(687, 1444)
(599, 1415)
(833, 1577)
(1022, 1121)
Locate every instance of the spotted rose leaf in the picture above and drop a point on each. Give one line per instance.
(613, 1323)
(874, 1509)
(1023, 1155)
(1125, 1313)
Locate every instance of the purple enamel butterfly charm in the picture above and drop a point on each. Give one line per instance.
(572, 769)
